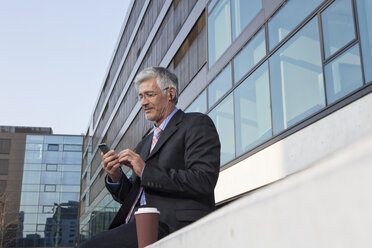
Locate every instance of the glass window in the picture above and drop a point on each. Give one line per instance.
(219, 86)
(72, 148)
(243, 12)
(250, 55)
(48, 198)
(34, 147)
(71, 167)
(343, 75)
(211, 5)
(365, 28)
(288, 18)
(28, 209)
(50, 188)
(40, 227)
(252, 110)
(199, 104)
(77, 140)
(72, 157)
(33, 156)
(30, 218)
(50, 177)
(53, 147)
(29, 198)
(30, 187)
(31, 177)
(66, 197)
(29, 228)
(338, 26)
(70, 188)
(45, 218)
(53, 139)
(51, 167)
(32, 167)
(297, 78)
(223, 118)
(48, 209)
(34, 139)
(4, 165)
(71, 178)
(50, 157)
(219, 31)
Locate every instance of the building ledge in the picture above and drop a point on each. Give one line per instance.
(326, 205)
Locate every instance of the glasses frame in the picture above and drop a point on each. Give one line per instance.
(150, 94)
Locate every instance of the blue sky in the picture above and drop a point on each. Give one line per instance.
(54, 55)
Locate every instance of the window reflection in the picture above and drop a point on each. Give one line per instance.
(51, 157)
(338, 26)
(53, 139)
(199, 104)
(252, 110)
(250, 55)
(365, 29)
(297, 78)
(50, 177)
(288, 18)
(223, 118)
(220, 85)
(31, 177)
(53, 147)
(77, 140)
(71, 157)
(44, 202)
(219, 30)
(343, 74)
(29, 198)
(71, 178)
(33, 156)
(243, 12)
(47, 198)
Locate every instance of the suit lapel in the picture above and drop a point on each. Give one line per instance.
(167, 133)
(146, 146)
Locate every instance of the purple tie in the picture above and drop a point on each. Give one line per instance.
(155, 139)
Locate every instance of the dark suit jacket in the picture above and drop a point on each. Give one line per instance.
(180, 173)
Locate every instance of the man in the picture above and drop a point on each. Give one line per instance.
(175, 168)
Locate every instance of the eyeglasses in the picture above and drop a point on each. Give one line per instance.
(150, 94)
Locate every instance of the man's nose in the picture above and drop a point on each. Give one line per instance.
(144, 101)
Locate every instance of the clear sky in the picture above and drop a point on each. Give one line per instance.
(54, 55)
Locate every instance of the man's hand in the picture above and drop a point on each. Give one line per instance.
(132, 160)
(110, 163)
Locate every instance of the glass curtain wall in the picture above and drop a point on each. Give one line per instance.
(50, 191)
(227, 19)
(319, 54)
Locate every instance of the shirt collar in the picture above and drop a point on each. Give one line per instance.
(165, 122)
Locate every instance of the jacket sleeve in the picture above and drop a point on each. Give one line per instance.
(201, 163)
(121, 193)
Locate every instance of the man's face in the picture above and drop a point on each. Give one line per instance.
(154, 103)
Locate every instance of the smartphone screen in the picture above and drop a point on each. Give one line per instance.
(104, 148)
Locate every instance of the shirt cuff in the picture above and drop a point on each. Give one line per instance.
(113, 186)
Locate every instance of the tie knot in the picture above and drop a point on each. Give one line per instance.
(157, 132)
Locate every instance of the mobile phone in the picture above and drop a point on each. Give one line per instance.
(104, 148)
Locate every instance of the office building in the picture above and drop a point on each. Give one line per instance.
(287, 84)
(49, 199)
(40, 185)
(12, 151)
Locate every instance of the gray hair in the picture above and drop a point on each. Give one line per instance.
(164, 79)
